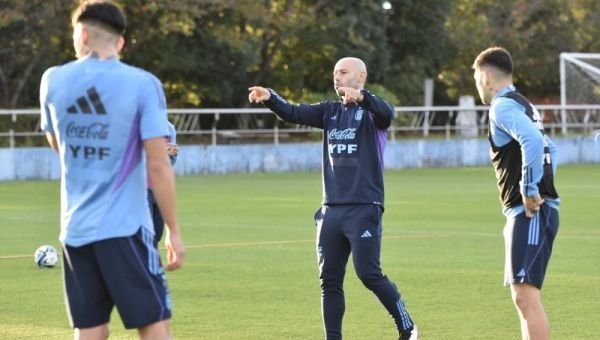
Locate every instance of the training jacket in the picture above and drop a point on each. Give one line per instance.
(354, 140)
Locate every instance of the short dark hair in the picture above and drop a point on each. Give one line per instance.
(497, 57)
(102, 12)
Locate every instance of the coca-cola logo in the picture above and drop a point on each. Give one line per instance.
(92, 131)
(346, 134)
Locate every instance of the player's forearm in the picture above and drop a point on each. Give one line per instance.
(284, 110)
(281, 107)
(163, 185)
(532, 151)
(52, 141)
(382, 110)
(299, 114)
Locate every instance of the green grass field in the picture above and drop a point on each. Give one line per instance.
(250, 270)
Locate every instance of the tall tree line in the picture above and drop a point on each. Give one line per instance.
(207, 52)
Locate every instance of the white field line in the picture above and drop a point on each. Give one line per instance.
(412, 234)
(283, 242)
(261, 243)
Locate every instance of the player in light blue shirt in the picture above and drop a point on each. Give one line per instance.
(523, 158)
(506, 127)
(100, 141)
(107, 120)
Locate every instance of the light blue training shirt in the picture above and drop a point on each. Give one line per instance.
(100, 112)
(509, 121)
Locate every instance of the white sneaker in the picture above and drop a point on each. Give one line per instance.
(413, 335)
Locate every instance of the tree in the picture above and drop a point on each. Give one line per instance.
(30, 34)
(419, 45)
(535, 32)
(207, 52)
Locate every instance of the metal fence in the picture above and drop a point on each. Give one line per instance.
(21, 127)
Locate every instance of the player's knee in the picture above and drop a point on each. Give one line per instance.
(525, 298)
(369, 278)
(158, 330)
(329, 284)
(96, 333)
(522, 303)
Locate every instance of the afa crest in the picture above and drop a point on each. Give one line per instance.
(358, 115)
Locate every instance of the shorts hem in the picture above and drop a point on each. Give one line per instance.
(75, 325)
(529, 282)
(146, 323)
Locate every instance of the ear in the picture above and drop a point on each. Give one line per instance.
(120, 43)
(484, 77)
(362, 77)
(85, 35)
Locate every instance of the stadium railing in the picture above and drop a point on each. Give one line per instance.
(21, 127)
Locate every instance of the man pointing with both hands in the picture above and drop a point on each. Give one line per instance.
(349, 220)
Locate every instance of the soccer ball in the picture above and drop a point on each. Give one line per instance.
(46, 256)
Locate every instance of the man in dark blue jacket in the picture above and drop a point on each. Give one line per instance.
(349, 220)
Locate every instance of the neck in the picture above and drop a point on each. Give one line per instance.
(499, 86)
(103, 55)
(98, 52)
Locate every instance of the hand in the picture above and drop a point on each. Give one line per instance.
(175, 250)
(350, 95)
(172, 149)
(532, 204)
(258, 94)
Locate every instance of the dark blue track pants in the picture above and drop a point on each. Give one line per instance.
(353, 229)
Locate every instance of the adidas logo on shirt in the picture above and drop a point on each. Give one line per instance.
(83, 103)
(366, 234)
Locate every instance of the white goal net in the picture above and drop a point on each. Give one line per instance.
(580, 87)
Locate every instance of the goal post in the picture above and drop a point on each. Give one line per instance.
(579, 82)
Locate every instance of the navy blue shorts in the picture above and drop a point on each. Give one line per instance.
(528, 243)
(124, 272)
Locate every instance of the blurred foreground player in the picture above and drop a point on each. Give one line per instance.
(101, 115)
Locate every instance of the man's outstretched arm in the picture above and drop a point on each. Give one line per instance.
(304, 114)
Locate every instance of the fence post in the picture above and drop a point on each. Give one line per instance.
(448, 126)
(11, 132)
(276, 132)
(428, 102)
(563, 94)
(214, 129)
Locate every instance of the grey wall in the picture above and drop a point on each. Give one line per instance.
(42, 163)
